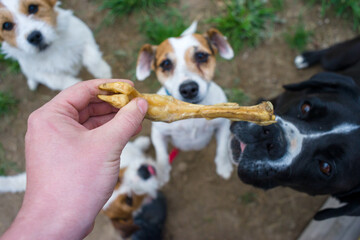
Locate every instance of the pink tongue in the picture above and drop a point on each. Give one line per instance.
(242, 146)
(151, 170)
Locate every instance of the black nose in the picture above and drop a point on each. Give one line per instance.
(143, 172)
(35, 38)
(189, 89)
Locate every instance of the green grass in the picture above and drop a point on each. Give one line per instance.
(277, 5)
(123, 7)
(5, 165)
(244, 22)
(157, 28)
(236, 95)
(298, 37)
(11, 66)
(348, 9)
(8, 103)
(248, 198)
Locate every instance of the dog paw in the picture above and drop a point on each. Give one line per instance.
(300, 62)
(32, 84)
(224, 169)
(103, 71)
(142, 142)
(164, 174)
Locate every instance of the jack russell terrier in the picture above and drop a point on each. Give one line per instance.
(137, 186)
(50, 43)
(185, 67)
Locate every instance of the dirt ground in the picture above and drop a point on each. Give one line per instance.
(201, 205)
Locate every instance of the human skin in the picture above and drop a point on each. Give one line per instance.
(72, 149)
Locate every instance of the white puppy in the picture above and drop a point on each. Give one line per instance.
(137, 185)
(50, 43)
(185, 67)
(138, 173)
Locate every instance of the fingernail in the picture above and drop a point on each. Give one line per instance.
(142, 105)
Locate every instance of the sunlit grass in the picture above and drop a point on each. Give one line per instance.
(244, 22)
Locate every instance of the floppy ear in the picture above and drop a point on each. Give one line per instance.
(220, 42)
(324, 80)
(145, 61)
(190, 30)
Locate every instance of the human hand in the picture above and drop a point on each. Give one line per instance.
(72, 147)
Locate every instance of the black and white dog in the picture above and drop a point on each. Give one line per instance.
(315, 145)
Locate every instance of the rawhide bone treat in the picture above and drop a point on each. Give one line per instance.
(168, 109)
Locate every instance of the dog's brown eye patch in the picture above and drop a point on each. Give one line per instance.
(201, 57)
(7, 26)
(33, 9)
(325, 167)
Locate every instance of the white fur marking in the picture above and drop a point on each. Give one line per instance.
(295, 138)
(300, 62)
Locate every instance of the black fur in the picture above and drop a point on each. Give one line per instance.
(333, 100)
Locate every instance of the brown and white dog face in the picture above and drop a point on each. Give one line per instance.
(137, 182)
(184, 65)
(121, 209)
(28, 25)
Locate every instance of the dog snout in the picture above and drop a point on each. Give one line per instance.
(146, 171)
(189, 90)
(35, 38)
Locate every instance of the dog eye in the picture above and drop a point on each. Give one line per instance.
(7, 26)
(32, 9)
(305, 108)
(201, 57)
(129, 201)
(325, 168)
(166, 65)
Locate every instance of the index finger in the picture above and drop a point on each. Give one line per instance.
(76, 98)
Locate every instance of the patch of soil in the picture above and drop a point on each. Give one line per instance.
(201, 205)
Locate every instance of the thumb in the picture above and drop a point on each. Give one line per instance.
(125, 124)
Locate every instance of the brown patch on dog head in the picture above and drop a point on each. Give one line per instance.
(164, 62)
(7, 35)
(45, 10)
(121, 211)
(125, 228)
(205, 67)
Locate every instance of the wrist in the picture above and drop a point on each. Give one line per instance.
(39, 221)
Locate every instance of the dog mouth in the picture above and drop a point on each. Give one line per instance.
(236, 149)
(42, 47)
(152, 170)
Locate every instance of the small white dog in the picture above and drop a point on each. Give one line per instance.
(185, 67)
(50, 43)
(138, 184)
(139, 174)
